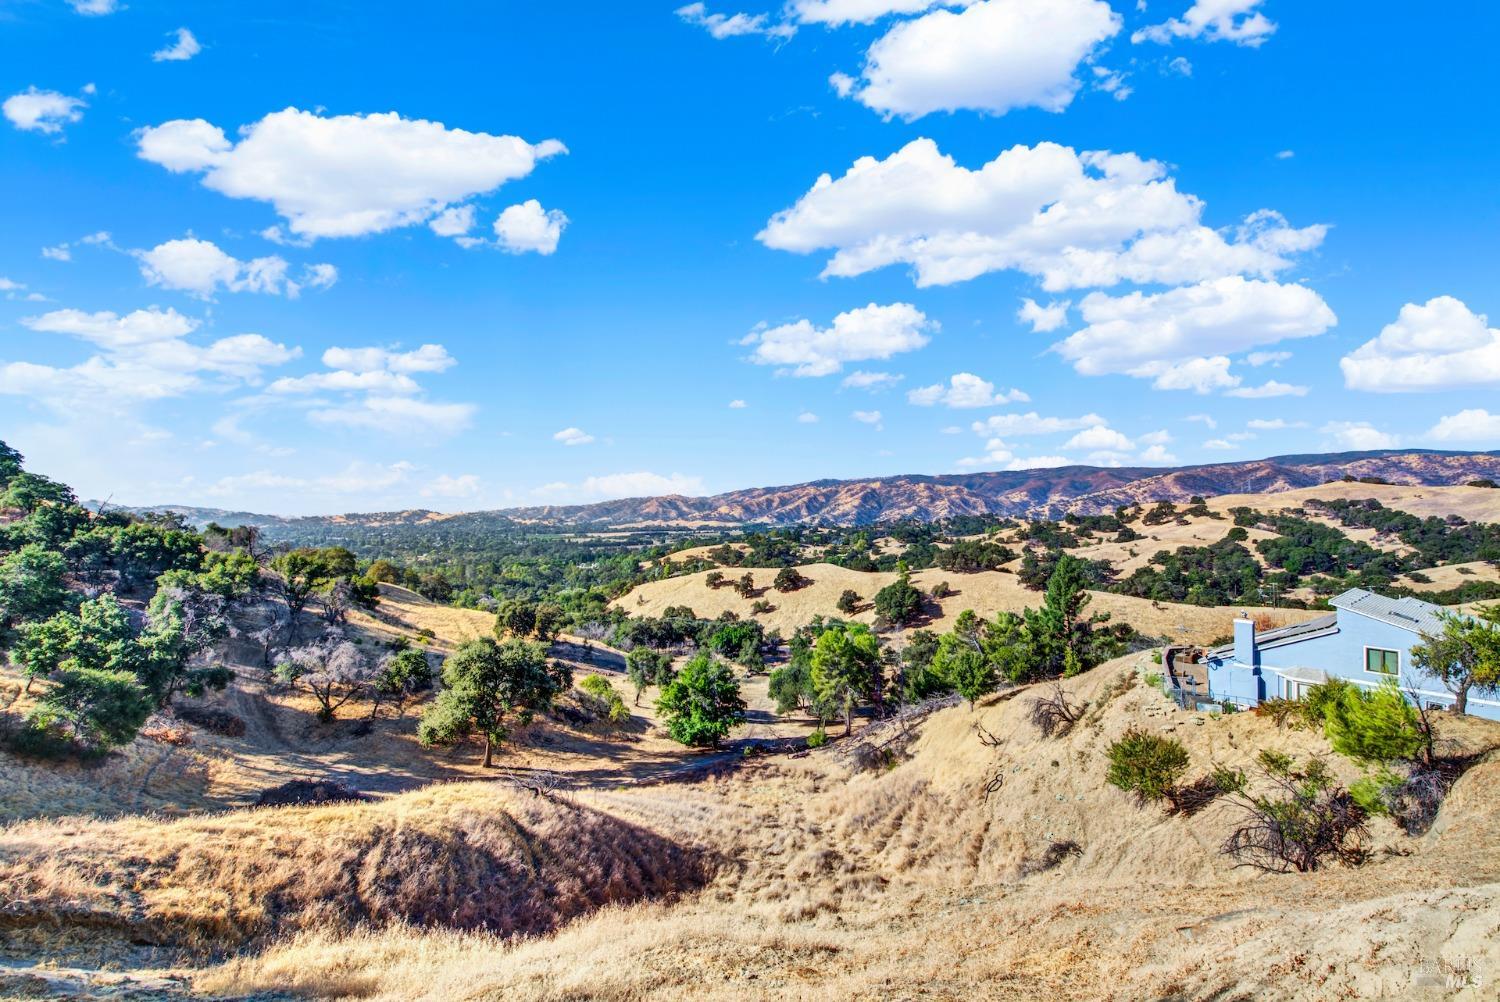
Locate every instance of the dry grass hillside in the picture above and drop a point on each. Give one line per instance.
(987, 593)
(907, 881)
(1476, 504)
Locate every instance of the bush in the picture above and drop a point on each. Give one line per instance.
(1147, 765)
(817, 739)
(610, 705)
(1304, 820)
(848, 602)
(1375, 725)
(790, 579)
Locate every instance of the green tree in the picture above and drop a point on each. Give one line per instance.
(31, 585)
(899, 603)
(400, 676)
(789, 579)
(645, 667)
(490, 687)
(101, 708)
(846, 668)
(702, 703)
(1061, 639)
(965, 669)
(1377, 725)
(515, 618)
(1465, 656)
(1146, 764)
(848, 602)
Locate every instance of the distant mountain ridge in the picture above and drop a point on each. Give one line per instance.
(1044, 493)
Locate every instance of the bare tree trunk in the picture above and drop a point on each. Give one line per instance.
(1461, 699)
(489, 752)
(848, 718)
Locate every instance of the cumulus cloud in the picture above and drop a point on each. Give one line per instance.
(201, 268)
(427, 358)
(642, 484)
(1270, 388)
(1032, 423)
(143, 356)
(964, 389)
(737, 405)
(840, 12)
(573, 436)
(1474, 424)
(807, 417)
(1181, 338)
(1273, 424)
(397, 416)
(731, 25)
(44, 111)
(1440, 345)
(94, 8)
(183, 48)
(453, 222)
(1271, 358)
(868, 417)
(1073, 220)
(872, 381)
(1099, 438)
(1043, 319)
(447, 486)
(858, 335)
(1236, 21)
(529, 227)
(1359, 435)
(992, 56)
(356, 478)
(344, 175)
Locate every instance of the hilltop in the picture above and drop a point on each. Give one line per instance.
(1044, 493)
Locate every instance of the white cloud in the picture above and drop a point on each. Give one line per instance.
(1271, 358)
(356, 478)
(835, 13)
(573, 436)
(446, 486)
(1204, 419)
(1159, 437)
(1359, 435)
(1043, 319)
(44, 111)
(1220, 444)
(1441, 345)
(1073, 220)
(94, 8)
(867, 417)
(398, 415)
(1032, 423)
(201, 268)
(1235, 21)
(340, 381)
(1156, 455)
(1180, 338)
(737, 405)
(1268, 389)
(731, 25)
(993, 56)
(964, 389)
(345, 175)
(998, 454)
(872, 381)
(428, 358)
(184, 47)
(58, 253)
(453, 222)
(1286, 154)
(1472, 425)
(529, 227)
(1099, 438)
(642, 484)
(1273, 424)
(807, 417)
(143, 356)
(869, 332)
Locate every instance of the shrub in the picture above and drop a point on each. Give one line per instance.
(1053, 715)
(610, 705)
(848, 602)
(942, 590)
(1304, 820)
(1147, 765)
(817, 739)
(1376, 725)
(1154, 679)
(702, 703)
(790, 579)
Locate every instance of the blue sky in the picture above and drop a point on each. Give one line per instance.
(324, 257)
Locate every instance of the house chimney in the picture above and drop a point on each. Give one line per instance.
(1244, 641)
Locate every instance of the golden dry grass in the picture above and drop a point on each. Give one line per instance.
(1477, 504)
(987, 593)
(908, 882)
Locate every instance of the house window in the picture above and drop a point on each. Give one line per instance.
(1382, 662)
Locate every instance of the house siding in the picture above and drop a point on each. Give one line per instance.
(1339, 654)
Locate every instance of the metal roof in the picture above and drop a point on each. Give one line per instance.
(1284, 633)
(1408, 613)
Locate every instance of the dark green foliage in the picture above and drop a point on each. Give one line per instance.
(646, 667)
(898, 603)
(400, 677)
(846, 669)
(490, 687)
(1147, 765)
(702, 704)
(1037, 567)
(790, 579)
(1377, 725)
(848, 602)
(972, 556)
(1219, 574)
(31, 586)
(100, 708)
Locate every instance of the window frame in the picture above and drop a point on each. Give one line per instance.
(1382, 650)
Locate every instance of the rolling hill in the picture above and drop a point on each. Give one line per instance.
(872, 501)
